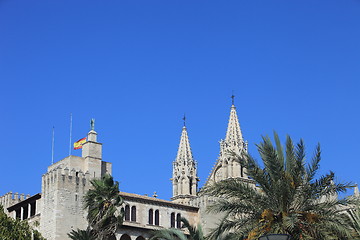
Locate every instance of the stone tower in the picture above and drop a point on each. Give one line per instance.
(184, 178)
(227, 164)
(63, 187)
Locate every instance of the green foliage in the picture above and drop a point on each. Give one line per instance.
(288, 198)
(102, 202)
(354, 220)
(81, 235)
(195, 233)
(168, 234)
(11, 229)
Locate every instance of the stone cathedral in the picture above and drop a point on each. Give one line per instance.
(58, 208)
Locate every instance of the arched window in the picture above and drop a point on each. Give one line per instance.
(140, 238)
(112, 237)
(178, 220)
(172, 220)
(127, 213)
(133, 214)
(157, 218)
(125, 237)
(151, 213)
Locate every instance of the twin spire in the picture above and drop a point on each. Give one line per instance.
(184, 167)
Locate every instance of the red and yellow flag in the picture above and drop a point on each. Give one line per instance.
(79, 143)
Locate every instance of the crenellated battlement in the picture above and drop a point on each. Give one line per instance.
(63, 191)
(10, 198)
(61, 177)
(64, 186)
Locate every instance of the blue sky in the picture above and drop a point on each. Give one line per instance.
(138, 66)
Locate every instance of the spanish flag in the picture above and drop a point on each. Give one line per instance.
(79, 143)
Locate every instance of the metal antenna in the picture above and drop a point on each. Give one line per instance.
(233, 97)
(70, 133)
(184, 119)
(52, 145)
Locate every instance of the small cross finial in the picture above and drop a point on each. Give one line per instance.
(233, 98)
(184, 119)
(92, 124)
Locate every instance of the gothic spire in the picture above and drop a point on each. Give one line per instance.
(233, 133)
(184, 151)
(227, 165)
(184, 178)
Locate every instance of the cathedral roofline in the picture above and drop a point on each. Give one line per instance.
(147, 199)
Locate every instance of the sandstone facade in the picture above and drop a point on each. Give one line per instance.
(59, 207)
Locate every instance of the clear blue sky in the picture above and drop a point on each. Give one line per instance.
(137, 66)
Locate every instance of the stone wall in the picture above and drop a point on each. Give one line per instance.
(63, 192)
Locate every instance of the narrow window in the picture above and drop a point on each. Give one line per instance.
(133, 213)
(172, 220)
(122, 211)
(151, 222)
(127, 213)
(157, 218)
(178, 220)
(190, 183)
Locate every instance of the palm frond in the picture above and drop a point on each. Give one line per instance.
(168, 234)
(287, 197)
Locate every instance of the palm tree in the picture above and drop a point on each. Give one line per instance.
(102, 202)
(354, 217)
(81, 234)
(287, 198)
(195, 233)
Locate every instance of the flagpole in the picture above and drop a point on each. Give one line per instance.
(70, 134)
(52, 145)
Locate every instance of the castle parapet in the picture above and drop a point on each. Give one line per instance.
(9, 199)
